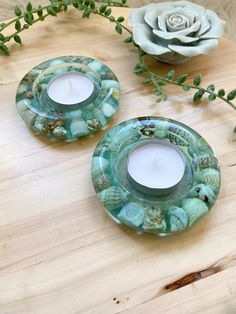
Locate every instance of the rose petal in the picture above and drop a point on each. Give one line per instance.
(137, 15)
(180, 34)
(205, 25)
(195, 8)
(203, 47)
(217, 25)
(152, 13)
(143, 37)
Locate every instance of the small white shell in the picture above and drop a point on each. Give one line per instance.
(154, 221)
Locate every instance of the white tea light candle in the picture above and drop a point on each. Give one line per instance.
(70, 88)
(156, 165)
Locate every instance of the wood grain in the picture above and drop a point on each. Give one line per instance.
(60, 253)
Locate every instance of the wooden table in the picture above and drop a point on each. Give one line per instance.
(59, 251)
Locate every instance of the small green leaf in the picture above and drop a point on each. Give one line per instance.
(17, 11)
(118, 29)
(160, 82)
(231, 95)
(198, 95)
(221, 92)
(186, 87)
(51, 11)
(170, 75)
(2, 37)
(4, 50)
(128, 39)
(182, 78)
(103, 8)
(108, 12)
(17, 39)
(138, 69)
(2, 25)
(146, 81)
(29, 7)
(211, 88)
(76, 5)
(120, 19)
(112, 19)
(29, 18)
(86, 14)
(197, 80)
(211, 97)
(17, 25)
(164, 98)
(158, 91)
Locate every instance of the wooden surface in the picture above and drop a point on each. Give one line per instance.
(59, 252)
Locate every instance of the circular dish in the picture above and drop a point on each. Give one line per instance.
(164, 214)
(56, 120)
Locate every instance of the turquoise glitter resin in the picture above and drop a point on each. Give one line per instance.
(55, 120)
(165, 214)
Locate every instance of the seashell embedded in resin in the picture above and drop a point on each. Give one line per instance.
(79, 127)
(178, 219)
(210, 177)
(204, 193)
(101, 182)
(108, 110)
(132, 215)
(153, 220)
(113, 197)
(207, 161)
(60, 131)
(99, 166)
(195, 208)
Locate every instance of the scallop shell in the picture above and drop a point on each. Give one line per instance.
(195, 208)
(113, 197)
(79, 127)
(60, 131)
(207, 161)
(210, 177)
(132, 215)
(23, 87)
(27, 115)
(178, 219)
(108, 110)
(101, 182)
(204, 193)
(153, 220)
(99, 166)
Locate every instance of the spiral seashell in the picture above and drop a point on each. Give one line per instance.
(210, 177)
(132, 215)
(195, 209)
(207, 161)
(113, 197)
(101, 182)
(99, 166)
(178, 219)
(204, 193)
(153, 220)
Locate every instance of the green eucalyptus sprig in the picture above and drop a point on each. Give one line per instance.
(31, 15)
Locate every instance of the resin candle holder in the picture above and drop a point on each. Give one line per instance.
(68, 97)
(172, 182)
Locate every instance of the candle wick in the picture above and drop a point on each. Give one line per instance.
(70, 84)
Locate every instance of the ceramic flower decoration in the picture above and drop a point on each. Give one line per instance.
(175, 31)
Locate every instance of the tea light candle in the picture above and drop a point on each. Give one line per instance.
(156, 165)
(70, 88)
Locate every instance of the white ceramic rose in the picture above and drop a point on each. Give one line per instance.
(175, 31)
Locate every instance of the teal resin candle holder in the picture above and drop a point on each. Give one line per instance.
(68, 119)
(181, 192)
